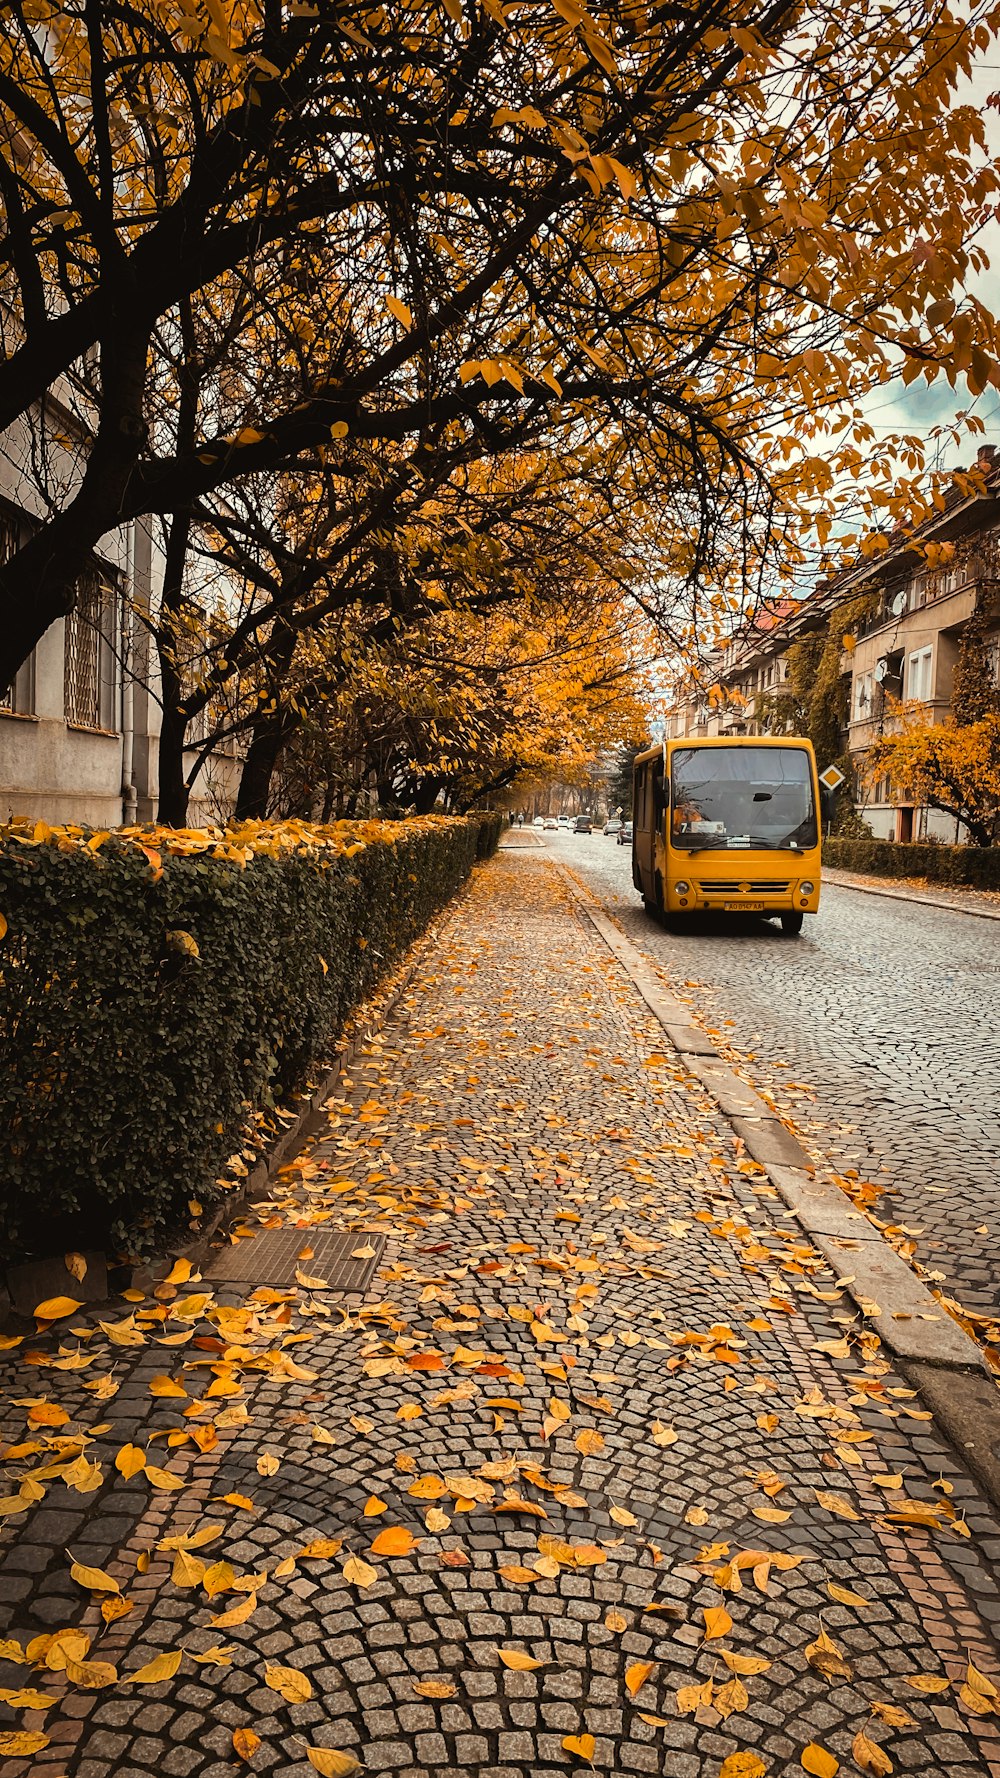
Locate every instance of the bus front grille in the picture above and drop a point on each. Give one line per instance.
(744, 888)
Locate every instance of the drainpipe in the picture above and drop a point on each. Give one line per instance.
(130, 800)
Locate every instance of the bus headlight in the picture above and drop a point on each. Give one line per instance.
(682, 888)
(806, 888)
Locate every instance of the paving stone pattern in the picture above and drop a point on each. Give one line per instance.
(579, 1264)
(890, 1012)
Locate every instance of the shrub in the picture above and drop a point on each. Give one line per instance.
(977, 867)
(159, 987)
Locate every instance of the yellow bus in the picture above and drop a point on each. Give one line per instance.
(728, 826)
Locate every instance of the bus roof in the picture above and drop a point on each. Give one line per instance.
(722, 741)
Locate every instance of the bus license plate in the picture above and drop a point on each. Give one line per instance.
(743, 907)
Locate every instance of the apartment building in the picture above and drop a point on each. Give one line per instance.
(922, 592)
(79, 728)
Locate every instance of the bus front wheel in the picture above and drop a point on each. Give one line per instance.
(791, 923)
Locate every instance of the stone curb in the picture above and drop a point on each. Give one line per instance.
(836, 881)
(911, 1322)
(22, 1286)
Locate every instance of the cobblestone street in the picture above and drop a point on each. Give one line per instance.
(603, 1472)
(889, 1013)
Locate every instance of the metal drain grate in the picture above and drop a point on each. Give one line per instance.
(272, 1257)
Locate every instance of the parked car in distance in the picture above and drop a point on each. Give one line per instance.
(539, 821)
(582, 824)
(625, 834)
(550, 821)
(563, 821)
(613, 825)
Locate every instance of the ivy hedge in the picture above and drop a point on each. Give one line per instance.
(975, 867)
(157, 988)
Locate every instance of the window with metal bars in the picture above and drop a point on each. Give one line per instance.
(17, 699)
(89, 679)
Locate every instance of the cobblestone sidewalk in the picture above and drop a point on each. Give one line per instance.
(601, 1474)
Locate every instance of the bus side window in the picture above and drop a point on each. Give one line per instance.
(659, 793)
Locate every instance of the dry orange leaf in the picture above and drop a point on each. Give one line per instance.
(55, 1308)
(94, 1579)
(818, 1761)
(374, 1506)
(435, 1688)
(129, 1461)
(583, 1745)
(163, 1667)
(331, 1764)
(21, 1743)
(395, 1540)
(844, 1596)
(267, 1464)
(288, 1682)
(742, 1765)
(717, 1622)
(245, 1744)
(870, 1756)
(835, 1503)
(518, 1660)
(636, 1676)
(359, 1573)
(927, 1682)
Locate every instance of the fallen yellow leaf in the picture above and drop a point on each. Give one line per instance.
(583, 1745)
(245, 1744)
(55, 1308)
(636, 1676)
(817, 1761)
(292, 1685)
(163, 1667)
(331, 1764)
(517, 1660)
(94, 1579)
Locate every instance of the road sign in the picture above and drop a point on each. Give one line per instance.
(831, 778)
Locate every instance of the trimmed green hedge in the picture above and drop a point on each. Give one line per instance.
(977, 867)
(158, 988)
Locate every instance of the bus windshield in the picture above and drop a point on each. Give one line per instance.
(742, 796)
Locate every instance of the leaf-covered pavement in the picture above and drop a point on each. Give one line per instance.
(603, 1473)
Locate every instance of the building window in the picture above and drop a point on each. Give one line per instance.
(89, 680)
(17, 699)
(918, 678)
(863, 697)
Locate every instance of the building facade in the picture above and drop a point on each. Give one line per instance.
(916, 600)
(79, 727)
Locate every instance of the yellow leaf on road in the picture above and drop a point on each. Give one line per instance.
(663, 1435)
(435, 1688)
(582, 1745)
(55, 1308)
(94, 1579)
(292, 1685)
(129, 1461)
(817, 1761)
(91, 1676)
(237, 1614)
(374, 1506)
(636, 1676)
(21, 1743)
(76, 1265)
(717, 1622)
(154, 1672)
(166, 1386)
(162, 1478)
(518, 1660)
(395, 1540)
(245, 1744)
(835, 1503)
(844, 1596)
(267, 1464)
(179, 1272)
(927, 1682)
(331, 1764)
(359, 1573)
(870, 1756)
